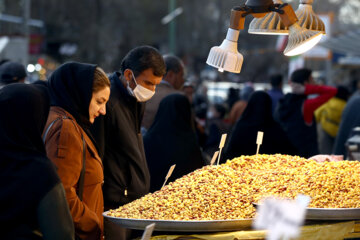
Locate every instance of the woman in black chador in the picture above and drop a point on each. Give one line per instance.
(257, 116)
(31, 195)
(172, 140)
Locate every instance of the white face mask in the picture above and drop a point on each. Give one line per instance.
(140, 93)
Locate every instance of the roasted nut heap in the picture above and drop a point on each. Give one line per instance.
(228, 191)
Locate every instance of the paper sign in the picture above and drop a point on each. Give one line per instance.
(169, 174)
(214, 157)
(282, 218)
(222, 141)
(148, 232)
(259, 140)
(221, 145)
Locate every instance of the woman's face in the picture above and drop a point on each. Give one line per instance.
(98, 103)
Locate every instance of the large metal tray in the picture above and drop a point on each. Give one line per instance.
(323, 214)
(333, 213)
(182, 226)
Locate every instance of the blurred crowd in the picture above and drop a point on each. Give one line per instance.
(84, 141)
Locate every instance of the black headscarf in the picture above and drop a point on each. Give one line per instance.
(26, 174)
(70, 87)
(257, 117)
(172, 140)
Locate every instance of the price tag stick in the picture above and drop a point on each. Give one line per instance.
(259, 140)
(169, 174)
(214, 157)
(221, 145)
(148, 232)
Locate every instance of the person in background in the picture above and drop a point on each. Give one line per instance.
(295, 112)
(31, 194)
(79, 93)
(188, 89)
(12, 72)
(118, 134)
(275, 92)
(257, 117)
(172, 82)
(239, 106)
(350, 119)
(328, 117)
(233, 96)
(172, 140)
(216, 126)
(200, 105)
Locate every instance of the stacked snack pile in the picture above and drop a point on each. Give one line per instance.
(227, 191)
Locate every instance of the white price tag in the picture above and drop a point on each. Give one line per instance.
(148, 232)
(169, 174)
(259, 140)
(222, 141)
(221, 145)
(282, 218)
(214, 157)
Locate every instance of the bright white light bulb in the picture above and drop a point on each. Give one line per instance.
(38, 67)
(30, 68)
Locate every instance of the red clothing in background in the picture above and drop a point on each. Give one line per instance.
(310, 105)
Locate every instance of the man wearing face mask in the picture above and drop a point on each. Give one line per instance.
(126, 174)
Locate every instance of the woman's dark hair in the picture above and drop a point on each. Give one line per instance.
(144, 57)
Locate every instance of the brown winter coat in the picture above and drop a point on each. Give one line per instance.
(64, 147)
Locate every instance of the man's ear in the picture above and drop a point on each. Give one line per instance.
(127, 75)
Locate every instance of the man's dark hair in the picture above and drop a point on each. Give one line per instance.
(173, 63)
(343, 93)
(144, 57)
(276, 80)
(301, 75)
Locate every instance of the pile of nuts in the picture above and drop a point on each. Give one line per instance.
(227, 191)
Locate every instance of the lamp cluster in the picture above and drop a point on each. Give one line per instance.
(304, 28)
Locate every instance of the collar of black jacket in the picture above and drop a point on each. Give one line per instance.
(117, 83)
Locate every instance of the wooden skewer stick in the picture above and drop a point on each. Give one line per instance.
(169, 174)
(214, 157)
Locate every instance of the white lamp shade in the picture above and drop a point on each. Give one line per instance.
(226, 56)
(308, 18)
(301, 40)
(270, 24)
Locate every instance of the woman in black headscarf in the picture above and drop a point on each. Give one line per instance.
(31, 194)
(79, 93)
(172, 140)
(257, 116)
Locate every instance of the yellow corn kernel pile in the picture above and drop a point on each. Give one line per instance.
(227, 191)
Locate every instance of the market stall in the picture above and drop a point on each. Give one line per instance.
(221, 198)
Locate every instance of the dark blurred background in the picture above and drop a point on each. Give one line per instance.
(103, 32)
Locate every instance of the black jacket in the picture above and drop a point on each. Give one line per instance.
(126, 174)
